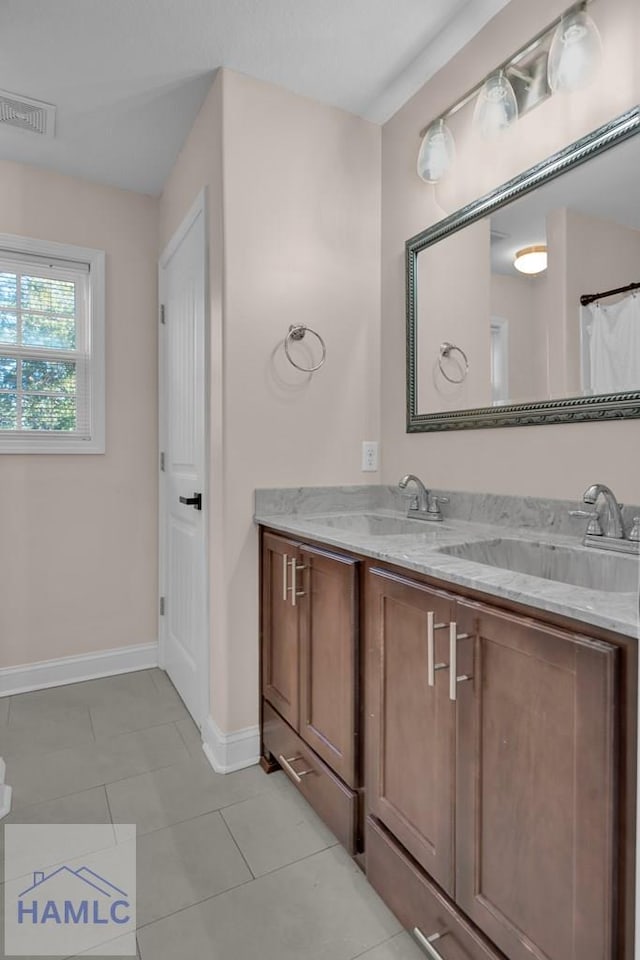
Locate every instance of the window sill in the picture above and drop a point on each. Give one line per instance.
(48, 446)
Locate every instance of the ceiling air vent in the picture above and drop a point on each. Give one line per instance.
(26, 114)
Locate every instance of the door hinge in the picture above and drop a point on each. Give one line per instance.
(162, 606)
(162, 461)
(162, 314)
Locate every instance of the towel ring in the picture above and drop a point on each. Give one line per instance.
(297, 332)
(446, 349)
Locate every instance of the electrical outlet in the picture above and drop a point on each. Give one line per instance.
(369, 456)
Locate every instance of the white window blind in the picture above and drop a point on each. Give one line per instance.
(48, 370)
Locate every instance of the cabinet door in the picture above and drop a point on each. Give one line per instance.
(328, 652)
(535, 787)
(280, 653)
(410, 724)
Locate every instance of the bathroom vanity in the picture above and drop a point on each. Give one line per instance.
(467, 731)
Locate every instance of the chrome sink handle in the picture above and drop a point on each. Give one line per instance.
(634, 533)
(433, 508)
(594, 529)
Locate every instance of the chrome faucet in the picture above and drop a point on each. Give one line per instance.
(421, 501)
(612, 537)
(615, 526)
(423, 506)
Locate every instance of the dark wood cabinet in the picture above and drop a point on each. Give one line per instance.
(418, 903)
(479, 761)
(332, 800)
(501, 780)
(310, 668)
(411, 726)
(535, 797)
(328, 659)
(280, 639)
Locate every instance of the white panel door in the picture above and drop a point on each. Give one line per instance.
(183, 627)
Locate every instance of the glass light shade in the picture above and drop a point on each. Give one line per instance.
(437, 152)
(496, 107)
(531, 260)
(575, 54)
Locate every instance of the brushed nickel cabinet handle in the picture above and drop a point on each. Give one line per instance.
(427, 943)
(294, 587)
(454, 679)
(285, 568)
(453, 659)
(432, 666)
(288, 769)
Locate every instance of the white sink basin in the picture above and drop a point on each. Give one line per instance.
(611, 573)
(373, 524)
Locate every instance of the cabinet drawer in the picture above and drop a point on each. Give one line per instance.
(418, 903)
(334, 803)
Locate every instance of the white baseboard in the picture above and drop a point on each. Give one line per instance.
(227, 752)
(5, 792)
(89, 666)
(5, 800)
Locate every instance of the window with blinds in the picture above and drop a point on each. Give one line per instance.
(48, 375)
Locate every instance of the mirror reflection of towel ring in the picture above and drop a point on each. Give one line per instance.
(297, 332)
(446, 349)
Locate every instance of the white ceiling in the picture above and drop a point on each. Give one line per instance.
(606, 187)
(128, 76)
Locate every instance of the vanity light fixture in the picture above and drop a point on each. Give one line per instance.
(576, 52)
(437, 152)
(565, 56)
(531, 260)
(496, 106)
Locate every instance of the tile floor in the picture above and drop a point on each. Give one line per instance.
(229, 868)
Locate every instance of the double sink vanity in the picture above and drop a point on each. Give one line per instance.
(450, 680)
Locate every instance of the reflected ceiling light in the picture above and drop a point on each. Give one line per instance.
(576, 52)
(496, 107)
(531, 260)
(437, 152)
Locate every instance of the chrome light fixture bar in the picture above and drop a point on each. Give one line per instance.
(563, 57)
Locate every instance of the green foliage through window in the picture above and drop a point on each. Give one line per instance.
(8, 290)
(8, 373)
(37, 392)
(48, 296)
(8, 326)
(48, 413)
(8, 411)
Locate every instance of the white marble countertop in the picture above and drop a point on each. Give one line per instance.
(419, 551)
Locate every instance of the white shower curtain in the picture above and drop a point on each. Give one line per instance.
(613, 345)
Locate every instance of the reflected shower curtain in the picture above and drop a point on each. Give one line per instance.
(613, 345)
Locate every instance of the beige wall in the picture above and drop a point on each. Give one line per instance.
(68, 521)
(302, 231)
(301, 224)
(454, 311)
(515, 300)
(556, 461)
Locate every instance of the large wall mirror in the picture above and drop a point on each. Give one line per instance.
(489, 345)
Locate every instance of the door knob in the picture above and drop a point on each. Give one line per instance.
(194, 501)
